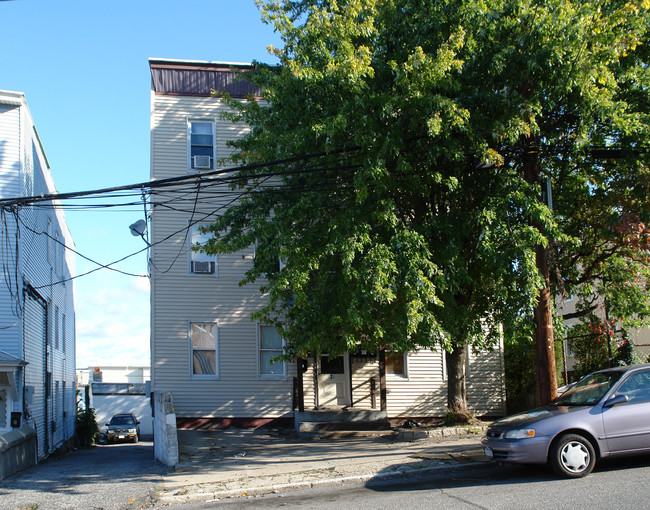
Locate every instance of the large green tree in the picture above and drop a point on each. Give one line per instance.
(413, 217)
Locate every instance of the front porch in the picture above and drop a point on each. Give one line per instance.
(411, 385)
(341, 395)
(341, 423)
(350, 381)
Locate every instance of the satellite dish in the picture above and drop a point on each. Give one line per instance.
(138, 228)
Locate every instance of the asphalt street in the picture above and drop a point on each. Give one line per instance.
(125, 477)
(107, 477)
(616, 484)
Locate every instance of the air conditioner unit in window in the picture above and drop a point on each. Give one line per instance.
(203, 267)
(202, 162)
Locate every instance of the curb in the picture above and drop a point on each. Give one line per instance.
(437, 433)
(325, 482)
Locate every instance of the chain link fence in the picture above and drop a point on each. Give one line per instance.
(643, 352)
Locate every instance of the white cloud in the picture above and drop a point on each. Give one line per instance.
(113, 321)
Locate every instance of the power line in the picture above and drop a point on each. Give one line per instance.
(171, 181)
(192, 188)
(66, 247)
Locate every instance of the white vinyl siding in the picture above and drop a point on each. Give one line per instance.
(178, 298)
(10, 166)
(24, 171)
(35, 356)
(486, 391)
(10, 162)
(241, 389)
(169, 117)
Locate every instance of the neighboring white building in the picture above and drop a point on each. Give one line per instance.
(118, 389)
(37, 318)
(113, 374)
(205, 350)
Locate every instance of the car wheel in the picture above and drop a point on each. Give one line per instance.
(573, 456)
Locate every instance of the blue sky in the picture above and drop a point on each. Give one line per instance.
(83, 66)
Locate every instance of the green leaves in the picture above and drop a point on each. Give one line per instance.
(416, 227)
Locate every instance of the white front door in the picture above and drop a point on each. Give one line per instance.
(334, 381)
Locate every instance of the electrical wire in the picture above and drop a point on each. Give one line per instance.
(235, 174)
(61, 243)
(10, 261)
(218, 188)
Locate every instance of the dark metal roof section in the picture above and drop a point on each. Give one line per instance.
(199, 78)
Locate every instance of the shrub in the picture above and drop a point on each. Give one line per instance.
(625, 353)
(458, 417)
(87, 431)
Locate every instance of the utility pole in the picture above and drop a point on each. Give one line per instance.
(544, 339)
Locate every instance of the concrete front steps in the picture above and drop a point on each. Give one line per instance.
(346, 422)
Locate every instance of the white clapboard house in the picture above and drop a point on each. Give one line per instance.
(205, 349)
(37, 319)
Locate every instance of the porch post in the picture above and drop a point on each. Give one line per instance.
(382, 379)
(350, 379)
(316, 369)
(301, 388)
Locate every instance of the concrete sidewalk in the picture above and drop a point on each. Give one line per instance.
(236, 462)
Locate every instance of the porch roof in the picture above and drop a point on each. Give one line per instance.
(8, 361)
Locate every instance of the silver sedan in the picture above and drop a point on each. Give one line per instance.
(606, 413)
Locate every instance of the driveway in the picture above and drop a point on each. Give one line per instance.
(107, 477)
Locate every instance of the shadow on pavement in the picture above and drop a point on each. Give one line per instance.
(78, 471)
(207, 451)
(489, 473)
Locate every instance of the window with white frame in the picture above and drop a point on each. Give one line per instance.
(200, 263)
(60, 255)
(203, 341)
(201, 141)
(50, 243)
(270, 347)
(56, 327)
(55, 252)
(396, 363)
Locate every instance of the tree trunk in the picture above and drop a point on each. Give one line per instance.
(456, 379)
(544, 341)
(544, 344)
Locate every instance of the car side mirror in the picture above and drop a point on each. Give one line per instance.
(137, 423)
(618, 399)
(107, 424)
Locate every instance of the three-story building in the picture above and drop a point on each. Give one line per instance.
(205, 349)
(37, 318)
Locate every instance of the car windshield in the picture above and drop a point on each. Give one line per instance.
(588, 390)
(122, 420)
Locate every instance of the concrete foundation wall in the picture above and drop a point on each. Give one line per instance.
(164, 424)
(17, 451)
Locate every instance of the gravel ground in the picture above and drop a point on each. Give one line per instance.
(107, 477)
